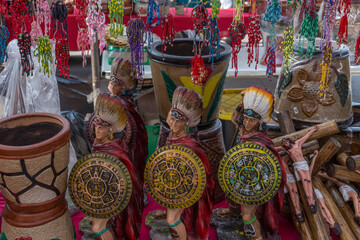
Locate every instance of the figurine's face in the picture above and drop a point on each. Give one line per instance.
(102, 132)
(177, 126)
(251, 124)
(115, 88)
(286, 143)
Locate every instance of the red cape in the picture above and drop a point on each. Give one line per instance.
(273, 207)
(127, 224)
(197, 217)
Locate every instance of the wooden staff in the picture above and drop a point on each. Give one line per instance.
(340, 172)
(333, 209)
(324, 129)
(285, 122)
(330, 148)
(341, 159)
(302, 228)
(353, 162)
(344, 208)
(316, 220)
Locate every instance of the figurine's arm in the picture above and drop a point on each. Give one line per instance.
(238, 112)
(316, 152)
(334, 180)
(280, 148)
(302, 140)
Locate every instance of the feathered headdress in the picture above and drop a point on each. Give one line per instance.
(110, 111)
(122, 74)
(258, 103)
(187, 105)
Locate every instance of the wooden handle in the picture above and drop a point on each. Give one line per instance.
(341, 159)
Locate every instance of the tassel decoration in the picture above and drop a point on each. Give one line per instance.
(288, 48)
(254, 35)
(343, 30)
(237, 34)
(62, 57)
(116, 14)
(153, 12)
(167, 33)
(4, 36)
(198, 73)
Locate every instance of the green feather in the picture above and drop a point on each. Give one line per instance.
(342, 87)
(217, 98)
(170, 85)
(285, 80)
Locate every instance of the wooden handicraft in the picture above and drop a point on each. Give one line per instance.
(250, 174)
(100, 185)
(175, 176)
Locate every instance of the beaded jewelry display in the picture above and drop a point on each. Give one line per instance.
(237, 34)
(44, 54)
(167, 33)
(309, 29)
(62, 57)
(4, 36)
(43, 15)
(287, 48)
(83, 44)
(19, 13)
(254, 35)
(357, 51)
(328, 25)
(136, 37)
(59, 15)
(343, 28)
(96, 23)
(116, 14)
(24, 43)
(153, 12)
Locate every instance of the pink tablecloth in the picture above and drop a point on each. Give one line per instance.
(287, 229)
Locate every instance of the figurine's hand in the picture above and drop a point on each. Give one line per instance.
(316, 127)
(316, 152)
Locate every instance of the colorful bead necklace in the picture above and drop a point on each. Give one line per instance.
(43, 15)
(44, 54)
(343, 28)
(237, 34)
(83, 44)
(96, 23)
(24, 43)
(116, 14)
(62, 57)
(4, 36)
(59, 15)
(167, 33)
(153, 12)
(254, 34)
(309, 29)
(19, 13)
(287, 48)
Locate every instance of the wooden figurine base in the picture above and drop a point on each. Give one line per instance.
(229, 228)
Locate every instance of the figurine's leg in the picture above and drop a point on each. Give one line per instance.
(176, 227)
(101, 230)
(335, 227)
(294, 196)
(306, 181)
(252, 225)
(355, 199)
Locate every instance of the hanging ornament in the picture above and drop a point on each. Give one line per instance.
(136, 37)
(200, 18)
(43, 15)
(30, 5)
(343, 28)
(82, 6)
(19, 13)
(3, 8)
(96, 23)
(328, 25)
(309, 29)
(62, 57)
(59, 15)
(36, 31)
(24, 43)
(44, 54)
(287, 48)
(83, 44)
(214, 40)
(357, 51)
(167, 32)
(116, 14)
(254, 35)
(215, 8)
(4, 36)
(153, 12)
(199, 73)
(270, 60)
(237, 34)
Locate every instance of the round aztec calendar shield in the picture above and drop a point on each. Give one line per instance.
(100, 185)
(250, 174)
(175, 176)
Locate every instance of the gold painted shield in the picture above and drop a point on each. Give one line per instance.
(100, 185)
(250, 174)
(175, 176)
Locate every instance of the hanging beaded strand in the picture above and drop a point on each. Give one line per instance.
(328, 25)
(24, 43)
(43, 15)
(215, 8)
(62, 57)
(214, 40)
(116, 14)
(254, 35)
(167, 33)
(4, 36)
(44, 54)
(309, 29)
(343, 28)
(19, 13)
(59, 15)
(136, 37)
(83, 34)
(287, 48)
(237, 34)
(153, 12)
(96, 23)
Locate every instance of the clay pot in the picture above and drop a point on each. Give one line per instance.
(34, 155)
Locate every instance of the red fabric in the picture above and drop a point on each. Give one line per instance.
(128, 222)
(197, 217)
(138, 146)
(181, 22)
(273, 207)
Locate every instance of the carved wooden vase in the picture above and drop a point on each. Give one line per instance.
(298, 90)
(34, 156)
(171, 69)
